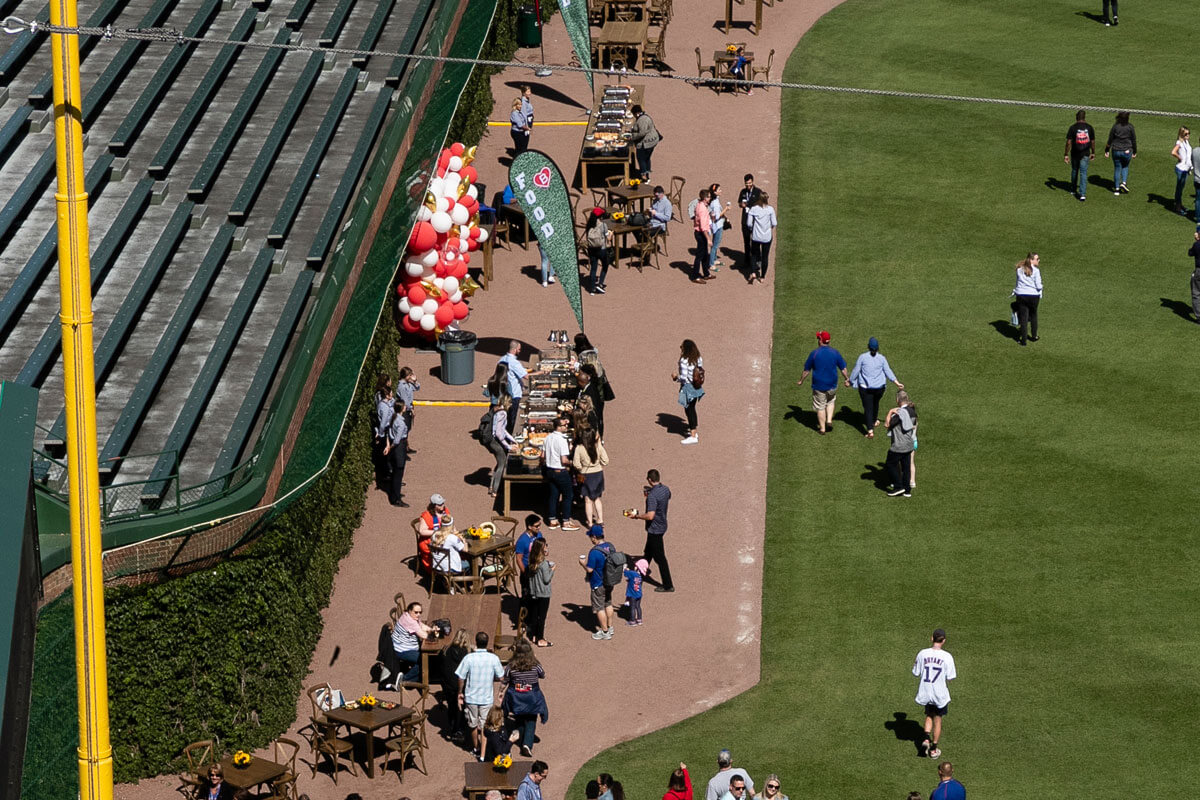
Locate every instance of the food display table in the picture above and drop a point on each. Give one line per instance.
(606, 139)
(479, 779)
(368, 721)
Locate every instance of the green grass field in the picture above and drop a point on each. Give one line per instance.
(1053, 530)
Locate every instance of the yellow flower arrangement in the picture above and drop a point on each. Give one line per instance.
(502, 762)
(618, 216)
(367, 701)
(241, 758)
(635, 182)
(731, 48)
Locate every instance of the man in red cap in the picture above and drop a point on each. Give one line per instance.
(824, 363)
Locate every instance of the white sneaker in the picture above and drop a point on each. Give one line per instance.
(552, 280)
(690, 440)
(544, 284)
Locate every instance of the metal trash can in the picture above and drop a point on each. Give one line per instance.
(529, 33)
(458, 356)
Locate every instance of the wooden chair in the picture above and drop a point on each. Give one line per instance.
(284, 787)
(326, 742)
(701, 68)
(199, 757)
(660, 12)
(656, 52)
(506, 526)
(503, 644)
(675, 195)
(501, 229)
(503, 570)
(647, 252)
(765, 72)
(411, 740)
(416, 556)
(452, 580)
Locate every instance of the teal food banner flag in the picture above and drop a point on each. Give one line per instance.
(575, 16)
(542, 194)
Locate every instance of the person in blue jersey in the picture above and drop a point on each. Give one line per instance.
(823, 364)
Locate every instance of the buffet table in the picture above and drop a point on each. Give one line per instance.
(606, 140)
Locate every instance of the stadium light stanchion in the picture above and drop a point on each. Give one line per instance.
(79, 387)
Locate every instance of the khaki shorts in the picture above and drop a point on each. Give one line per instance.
(476, 715)
(823, 398)
(601, 598)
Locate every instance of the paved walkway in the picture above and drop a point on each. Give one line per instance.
(699, 646)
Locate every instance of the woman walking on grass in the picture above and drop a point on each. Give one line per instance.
(1183, 153)
(679, 785)
(1028, 292)
(870, 376)
(690, 377)
(540, 572)
(1122, 143)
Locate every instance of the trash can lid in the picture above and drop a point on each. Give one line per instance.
(457, 337)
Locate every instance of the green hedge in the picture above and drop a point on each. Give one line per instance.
(223, 653)
(470, 121)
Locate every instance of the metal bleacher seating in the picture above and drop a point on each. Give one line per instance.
(156, 367)
(200, 99)
(135, 300)
(298, 13)
(341, 195)
(163, 77)
(12, 131)
(23, 46)
(371, 35)
(237, 120)
(47, 348)
(312, 159)
(40, 94)
(337, 21)
(273, 142)
(43, 258)
(206, 381)
(407, 44)
(256, 392)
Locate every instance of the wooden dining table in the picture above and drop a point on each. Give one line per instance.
(630, 196)
(723, 61)
(474, 612)
(479, 779)
(368, 721)
(478, 548)
(622, 35)
(256, 773)
(758, 7)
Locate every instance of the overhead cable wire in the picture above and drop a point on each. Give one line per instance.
(14, 25)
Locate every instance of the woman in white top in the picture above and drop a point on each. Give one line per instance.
(502, 442)
(689, 392)
(447, 549)
(1183, 153)
(1028, 292)
(762, 221)
(716, 211)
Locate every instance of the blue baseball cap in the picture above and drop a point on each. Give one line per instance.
(872, 343)
(596, 531)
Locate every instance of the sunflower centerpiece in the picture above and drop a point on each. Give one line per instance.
(731, 48)
(635, 182)
(242, 759)
(368, 702)
(502, 763)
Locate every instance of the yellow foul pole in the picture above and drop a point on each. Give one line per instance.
(91, 671)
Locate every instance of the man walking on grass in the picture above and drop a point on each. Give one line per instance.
(719, 784)
(934, 667)
(824, 363)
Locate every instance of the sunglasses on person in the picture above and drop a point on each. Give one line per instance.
(773, 786)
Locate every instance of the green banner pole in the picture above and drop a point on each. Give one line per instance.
(542, 194)
(575, 17)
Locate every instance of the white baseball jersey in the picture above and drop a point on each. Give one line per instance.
(934, 667)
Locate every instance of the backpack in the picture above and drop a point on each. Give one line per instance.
(692, 208)
(597, 235)
(697, 376)
(485, 428)
(614, 567)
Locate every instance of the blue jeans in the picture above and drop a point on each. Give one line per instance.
(715, 251)
(527, 725)
(1181, 177)
(1121, 159)
(1079, 176)
(561, 490)
(412, 660)
(547, 270)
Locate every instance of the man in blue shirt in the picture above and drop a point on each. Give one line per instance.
(660, 211)
(516, 377)
(593, 567)
(531, 786)
(395, 450)
(948, 789)
(823, 364)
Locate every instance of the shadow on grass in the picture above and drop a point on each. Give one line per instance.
(1166, 202)
(1059, 185)
(877, 474)
(805, 417)
(1104, 183)
(906, 730)
(1089, 15)
(673, 424)
(581, 615)
(1006, 329)
(1179, 307)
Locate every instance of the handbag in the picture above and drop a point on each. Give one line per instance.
(727, 225)
(639, 219)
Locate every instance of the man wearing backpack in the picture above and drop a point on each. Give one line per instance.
(1081, 147)
(604, 568)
